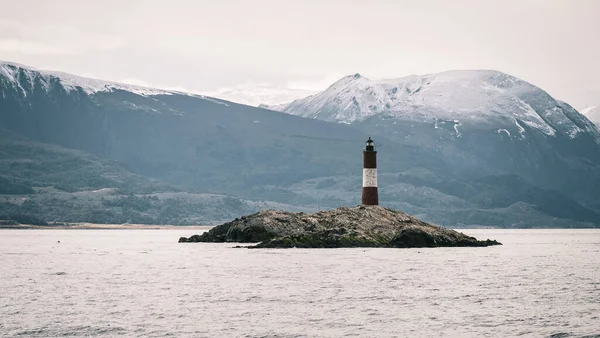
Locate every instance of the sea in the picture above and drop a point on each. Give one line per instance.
(143, 283)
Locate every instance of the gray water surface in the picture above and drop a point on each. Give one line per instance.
(143, 283)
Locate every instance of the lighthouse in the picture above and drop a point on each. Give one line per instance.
(369, 187)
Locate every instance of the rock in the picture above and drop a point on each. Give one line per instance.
(361, 226)
(193, 239)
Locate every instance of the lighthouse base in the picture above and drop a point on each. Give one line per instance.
(370, 196)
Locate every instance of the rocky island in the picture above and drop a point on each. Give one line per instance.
(361, 226)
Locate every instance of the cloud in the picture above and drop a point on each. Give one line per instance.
(108, 42)
(53, 39)
(142, 83)
(254, 94)
(31, 47)
(136, 82)
(315, 85)
(251, 93)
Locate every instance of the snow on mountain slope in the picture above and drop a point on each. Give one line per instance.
(593, 114)
(459, 96)
(25, 78)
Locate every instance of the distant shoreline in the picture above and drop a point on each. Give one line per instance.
(93, 226)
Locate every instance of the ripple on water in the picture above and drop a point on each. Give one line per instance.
(101, 283)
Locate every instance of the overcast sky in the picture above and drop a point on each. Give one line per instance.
(205, 46)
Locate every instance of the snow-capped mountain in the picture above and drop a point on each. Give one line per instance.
(192, 142)
(469, 96)
(27, 78)
(476, 122)
(593, 114)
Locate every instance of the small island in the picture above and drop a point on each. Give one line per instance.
(361, 226)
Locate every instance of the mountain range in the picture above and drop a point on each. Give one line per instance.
(463, 148)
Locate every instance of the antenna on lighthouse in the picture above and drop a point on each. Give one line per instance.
(370, 195)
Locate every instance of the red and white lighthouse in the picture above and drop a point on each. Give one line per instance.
(369, 188)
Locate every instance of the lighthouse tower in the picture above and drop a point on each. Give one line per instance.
(369, 188)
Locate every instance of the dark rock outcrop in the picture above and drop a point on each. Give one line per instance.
(362, 226)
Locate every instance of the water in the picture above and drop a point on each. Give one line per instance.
(143, 283)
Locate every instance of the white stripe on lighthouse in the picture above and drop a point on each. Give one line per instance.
(369, 177)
